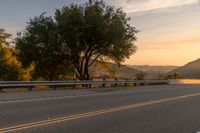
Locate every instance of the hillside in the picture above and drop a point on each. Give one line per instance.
(110, 70)
(190, 70)
(154, 69)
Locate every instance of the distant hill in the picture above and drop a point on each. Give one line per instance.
(154, 70)
(190, 70)
(110, 70)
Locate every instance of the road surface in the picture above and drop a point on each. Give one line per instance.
(147, 109)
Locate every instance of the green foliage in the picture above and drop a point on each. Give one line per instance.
(10, 67)
(174, 76)
(77, 37)
(38, 45)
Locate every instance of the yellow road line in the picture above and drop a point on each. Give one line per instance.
(93, 113)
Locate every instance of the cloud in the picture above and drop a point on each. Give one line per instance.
(145, 5)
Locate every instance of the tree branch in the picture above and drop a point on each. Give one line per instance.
(94, 59)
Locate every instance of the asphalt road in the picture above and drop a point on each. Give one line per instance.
(148, 109)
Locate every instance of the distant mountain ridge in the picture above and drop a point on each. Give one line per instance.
(110, 70)
(190, 70)
(154, 69)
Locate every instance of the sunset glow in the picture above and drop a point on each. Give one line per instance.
(169, 30)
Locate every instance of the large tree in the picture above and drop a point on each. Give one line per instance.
(79, 35)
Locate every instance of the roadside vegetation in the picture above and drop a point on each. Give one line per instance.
(10, 66)
(173, 76)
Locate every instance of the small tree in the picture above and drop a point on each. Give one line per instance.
(174, 76)
(140, 76)
(10, 67)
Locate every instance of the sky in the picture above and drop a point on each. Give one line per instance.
(169, 29)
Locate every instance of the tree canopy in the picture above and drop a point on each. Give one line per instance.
(75, 38)
(38, 45)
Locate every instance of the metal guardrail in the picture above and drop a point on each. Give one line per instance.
(88, 83)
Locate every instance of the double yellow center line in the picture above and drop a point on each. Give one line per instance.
(93, 113)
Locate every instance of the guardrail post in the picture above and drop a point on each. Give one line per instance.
(90, 85)
(115, 83)
(104, 85)
(54, 87)
(126, 84)
(73, 86)
(30, 88)
(1, 90)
